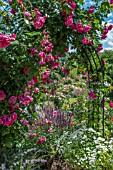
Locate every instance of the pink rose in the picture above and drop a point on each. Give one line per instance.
(2, 95)
(103, 36)
(69, 21)
(73, 5)
(12, 11)
(86, 41)
(37, 12)
(36, 90)
(87, 28)
(111, 1)
(33, 51)
(12, 100)
(99, 48)
(8, 122)
(91, 10)
(4, 40)
(92, 95)
(1, 122)
(20, 2)
(111, 104)
(14, 116)
(39, 22)
(13, 37)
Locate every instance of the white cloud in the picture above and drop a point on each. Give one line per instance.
(110, 43)
(110, 15)
(110, 21)
(109, 48)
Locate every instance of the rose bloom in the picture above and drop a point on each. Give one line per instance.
(14, 116)
(39, 22)
(12, 100)
(4, 40)
(69, 21)
(91, 10)
(2, 95)
(92, 95)
(111, 104)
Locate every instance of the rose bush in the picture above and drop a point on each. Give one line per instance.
(34, 39)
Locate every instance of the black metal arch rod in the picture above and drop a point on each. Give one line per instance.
(86, 65)
(103, 98)
(101, 70)
(97, 70)
(85, 55)
(91, 66)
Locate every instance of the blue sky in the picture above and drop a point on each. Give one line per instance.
(108, 42)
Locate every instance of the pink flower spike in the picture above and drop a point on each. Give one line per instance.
(41, 140)
(50, 130)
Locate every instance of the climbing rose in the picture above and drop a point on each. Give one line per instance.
(20, 2)
(12, 11)
(99, 48)
(111, 1)
(1, 122)
(87, 28)
(110, 27)
(7, 121)
(2, 95)
(91, 10)
(73, 5)
(69, 21)
(103, 36)
(41, 140)
(111, 104)
(86, 41)
(4, 40)
(37, 12)
(36, 90)
(39, 22)
(14, 116)
(33, 51)
(27, 14)
(12, 100)
(92, 95)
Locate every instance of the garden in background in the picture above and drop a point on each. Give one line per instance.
(56, 85)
